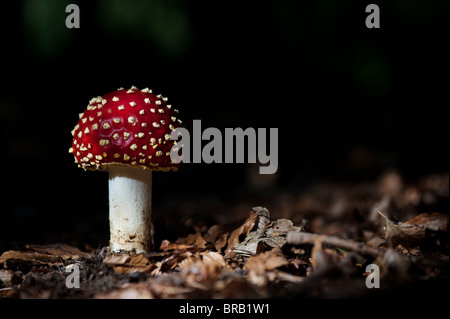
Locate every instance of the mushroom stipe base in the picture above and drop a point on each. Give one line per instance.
(130, 208)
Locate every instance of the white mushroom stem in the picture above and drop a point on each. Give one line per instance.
(130, 209)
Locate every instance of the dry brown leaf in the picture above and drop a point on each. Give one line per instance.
(29, 258)
(198, 275)
(62, 250)
(212, 233)
(281, 227)
(214, 259)
(9, 278)
(249, 246)
(221, 242)
(167, 289)
(125, 264)
(244, 229)
(188, 260)
(201, 268)
(127, 291)
(167, 245)
(258, 265)
(269, 260)
(416, 228)
(193, 239)
(268, 234)
(43, 255)
(275, 235)
(179, 254)
(157, 270)
(6, 292)
(431, 221)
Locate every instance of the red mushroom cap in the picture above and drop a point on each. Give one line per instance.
(126, 128)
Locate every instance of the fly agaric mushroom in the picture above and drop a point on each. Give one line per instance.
(127, 133)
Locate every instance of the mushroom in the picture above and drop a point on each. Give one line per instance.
(127, 133)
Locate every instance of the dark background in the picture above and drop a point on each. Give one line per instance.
(349, 102)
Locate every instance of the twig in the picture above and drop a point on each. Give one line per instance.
(301, 238)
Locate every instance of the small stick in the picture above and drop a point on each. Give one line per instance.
(302, 238)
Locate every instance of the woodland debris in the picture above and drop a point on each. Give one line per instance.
(9, 277)
(127, 291)
(22, 258)
(420, 227)
(36, 255)
(62, 250)
(124, 264)
(302, 238)
(262, 256)
(244, 229)
(265, 235)
(267, 261)
(193, 239)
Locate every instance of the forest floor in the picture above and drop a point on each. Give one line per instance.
(375, 239)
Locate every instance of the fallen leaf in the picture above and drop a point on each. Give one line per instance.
(430, 221)
(29, 258)
(193, 239)
(127, 291)
(281, 227)
(6, 292)
(9, 278)
(244, 229)
(167, 286)
(42, 255)
(258, 265)
(212, 233)
(157, 270)
(200, 269)
(266, 235)
(221, 242)
(62, 250)
(419, 227)
(167, 246)
(269, 260)
(213, 260)
(275, 234)
(125, 264)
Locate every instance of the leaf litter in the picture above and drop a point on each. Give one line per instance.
(321, 250)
